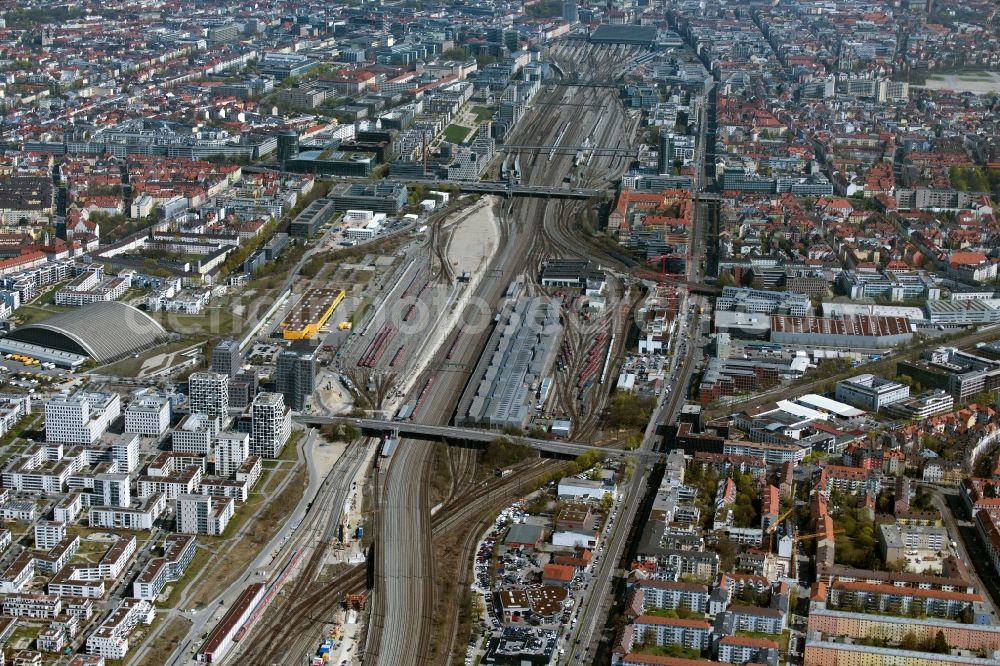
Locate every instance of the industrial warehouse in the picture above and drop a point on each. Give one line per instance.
(310, 314)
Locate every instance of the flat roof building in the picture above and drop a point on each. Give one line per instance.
(310, 313)
(848, 332)
(870, 392)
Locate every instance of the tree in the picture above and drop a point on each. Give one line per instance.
(910, 641)
(457, 53)
(940, 645)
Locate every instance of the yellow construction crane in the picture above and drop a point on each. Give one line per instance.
(807, 537)
(773, 526)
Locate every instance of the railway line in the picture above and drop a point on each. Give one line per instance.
(531, 228)
(316, 533)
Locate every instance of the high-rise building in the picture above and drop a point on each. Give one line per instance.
(295, 377)
(226, 358)
(664, 158)
(209, 394)
(288, 147)
(270, 425)
(243, 388)
(231, 449)
(570, 12)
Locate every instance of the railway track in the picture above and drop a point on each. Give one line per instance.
(530, 227)
(278, 634)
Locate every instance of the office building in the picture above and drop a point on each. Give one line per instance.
(870, 392)
(922, 406)
(963, 374)
(80, 418)
(226, 358)
(570, 12)
(148, 415)
(761, 301)
(209, 394)
(295, 376)
(243, 388)
(270, 425)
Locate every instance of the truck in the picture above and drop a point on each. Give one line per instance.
(360, 532)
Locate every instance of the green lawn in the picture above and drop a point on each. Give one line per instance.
(456, 133)
(130, 367)
(482, 113)
(31, 314)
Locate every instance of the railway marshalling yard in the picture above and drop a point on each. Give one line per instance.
(420, 322)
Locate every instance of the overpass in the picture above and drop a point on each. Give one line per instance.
(423, 431)
(514, 190)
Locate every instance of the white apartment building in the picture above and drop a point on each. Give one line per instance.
(110, 639)
(178, 551)
(80, 418)
(109, 489)
(195, 433)
(48, 534)
(231, 449)
(148, 415)
(13, 408)
(870, 392)
(208, 393)
(69, 507)
(19, 574)
(270, 425)
(141, 517)
(173, 486)
(200, 514)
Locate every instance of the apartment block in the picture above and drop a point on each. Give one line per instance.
(196, 434)
(200, 514)
(688, 633)
(48, 533)
(208, 393)
(270, 425)
(231, 450)
(110, 639)
(139, 516)
(178, 551)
